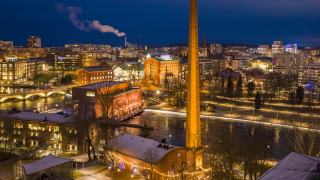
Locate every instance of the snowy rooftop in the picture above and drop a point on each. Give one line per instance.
(136, 146)
(100, 85)
(294, 166)
(44, 163)
(40, 117)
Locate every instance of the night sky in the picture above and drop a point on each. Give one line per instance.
(163, 22)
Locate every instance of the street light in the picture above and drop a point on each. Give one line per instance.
(158, 94)
(231, 110)
(278, 114)
(253, 112)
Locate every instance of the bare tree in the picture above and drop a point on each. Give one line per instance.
(151, 158)
(303, 140)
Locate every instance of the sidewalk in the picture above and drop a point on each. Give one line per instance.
(90, 173)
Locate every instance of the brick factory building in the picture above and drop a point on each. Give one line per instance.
(94, 74)
(157, 67)
(108, 99)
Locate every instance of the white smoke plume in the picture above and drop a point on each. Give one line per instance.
(86, 25)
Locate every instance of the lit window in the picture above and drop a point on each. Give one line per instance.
(90, 94)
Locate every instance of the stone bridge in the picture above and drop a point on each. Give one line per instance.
(25, 95)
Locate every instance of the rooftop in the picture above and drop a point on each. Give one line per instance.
(97, 68)
(100, 85)
(165, 58)
(44, 163)
(39, 117)
(294, 166)
(263, 59)
(136, 147)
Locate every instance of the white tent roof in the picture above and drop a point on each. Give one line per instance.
(294, 166)
(136, 146)
(44, 163)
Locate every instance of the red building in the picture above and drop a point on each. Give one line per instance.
(110, 99)
(94, 74)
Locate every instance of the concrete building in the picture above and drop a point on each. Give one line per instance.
(292, 48)
(26, 52)
(94, 74)
(69, 61)
(309, 73)
(157, 67)
(183, 70)
(264, 49)
(277, 47)
(5, 44)
(215, 48)
(82, 48)
(34, 41)
(263, 63)
(242, 63)
(92, 58)
(286, 63)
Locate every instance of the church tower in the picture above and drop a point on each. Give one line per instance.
(193, 128)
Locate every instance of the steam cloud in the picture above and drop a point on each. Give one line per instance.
(86, 25)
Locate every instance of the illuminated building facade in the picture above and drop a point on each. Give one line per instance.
(67, 61)
(26, 52)
(32, 129)
(124, 100)
(241, 63)
(292, 48)
(286, 63)
(157, 67)
(264, 49)
(94, 74)
(263, 63)
(309, 73)
(14, 71)
(34, 41)
(5, 44)
(215, 48)
(277, 47)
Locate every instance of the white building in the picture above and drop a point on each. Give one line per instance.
(309, 73)
(292, 48)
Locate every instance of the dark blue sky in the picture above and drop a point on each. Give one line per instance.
(164, 22)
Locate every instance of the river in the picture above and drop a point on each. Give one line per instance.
(172, 127)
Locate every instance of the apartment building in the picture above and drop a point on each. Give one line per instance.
(34, 41)
(277, 47)
(309, 73)
(286, 63)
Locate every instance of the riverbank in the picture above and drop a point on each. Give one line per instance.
(229, 116)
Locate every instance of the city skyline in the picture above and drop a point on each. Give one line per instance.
(222, 22)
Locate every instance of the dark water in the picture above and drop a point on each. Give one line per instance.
(173, 124)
